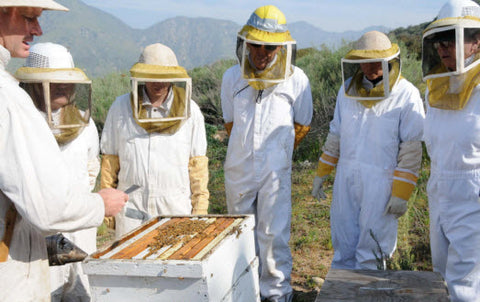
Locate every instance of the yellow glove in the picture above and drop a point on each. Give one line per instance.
(403, 184)
(198, 172)
(109, 222)
(228, 127)
(300, 132)
(405, 175)
(109, 179)
(110, 169)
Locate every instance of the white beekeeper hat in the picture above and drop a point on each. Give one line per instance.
(45, 4)
(49, 55)
(50, 62)
(158, 54)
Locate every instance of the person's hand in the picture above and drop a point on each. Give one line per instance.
(396, 206)
(317, 190)
(114, 200)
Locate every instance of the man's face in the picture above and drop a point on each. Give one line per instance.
(156, 90)
(18, 25)
(60, 95)
(372, 70)
(471, 46)
(261, 55)
(447, 52)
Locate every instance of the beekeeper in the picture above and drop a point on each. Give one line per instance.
(37, 195)
(154, 137)
(63, 94)
(375, 144)
(267, 108)
(450, 63)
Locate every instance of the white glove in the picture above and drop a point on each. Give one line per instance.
(396, 206)
(317, 190)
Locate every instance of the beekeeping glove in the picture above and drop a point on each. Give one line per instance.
(198, 172)
(300, 132)
(317, 190)
(404, 177)
(228, 127)
(326, 164)
(109, 172)
(396, 206)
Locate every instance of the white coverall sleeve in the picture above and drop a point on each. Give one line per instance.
(93, 154)
(109, 144)
(410, 148)
(303, 108)
(335, 123)
(198, 164)
(303, 105)
(226, 95)
(109, 139)
(199, 136)
(331, 149)
(33, 175)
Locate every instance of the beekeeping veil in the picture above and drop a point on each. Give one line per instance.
(58, 89)
(266, 27)
(372, 48)
(450, 59)
(158, 63)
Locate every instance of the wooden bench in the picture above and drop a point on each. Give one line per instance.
(374, 285)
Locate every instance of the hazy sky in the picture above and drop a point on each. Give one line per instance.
(329, 15)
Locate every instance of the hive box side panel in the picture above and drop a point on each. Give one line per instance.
(144, 268)
(229, 265)
(246, 288)
(143, 289)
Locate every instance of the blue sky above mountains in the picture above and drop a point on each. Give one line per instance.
(328, 15)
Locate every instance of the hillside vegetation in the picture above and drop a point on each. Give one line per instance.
(310, 241)
(101, 43)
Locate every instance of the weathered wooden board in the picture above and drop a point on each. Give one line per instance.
(385, 286)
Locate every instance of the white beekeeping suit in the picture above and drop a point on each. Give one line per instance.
(452, 136)
(154, 137)
(50, 67)
(375, 143)
(267, 108)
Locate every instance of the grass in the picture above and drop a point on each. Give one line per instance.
(310, 241)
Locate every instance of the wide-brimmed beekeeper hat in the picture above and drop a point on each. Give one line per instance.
(45, 4)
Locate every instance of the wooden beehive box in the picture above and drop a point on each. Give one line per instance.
(208, 258)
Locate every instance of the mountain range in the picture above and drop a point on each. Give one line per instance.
(101, 43)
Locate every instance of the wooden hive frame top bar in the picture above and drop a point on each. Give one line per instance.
(183, 244)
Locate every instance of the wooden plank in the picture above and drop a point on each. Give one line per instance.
(391, 286)
(223, 223)
(219, 237)
(125, 238)
(192, 242)
(142, 243)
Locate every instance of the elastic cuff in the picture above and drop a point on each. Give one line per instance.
(402, 189)
(326, 164)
